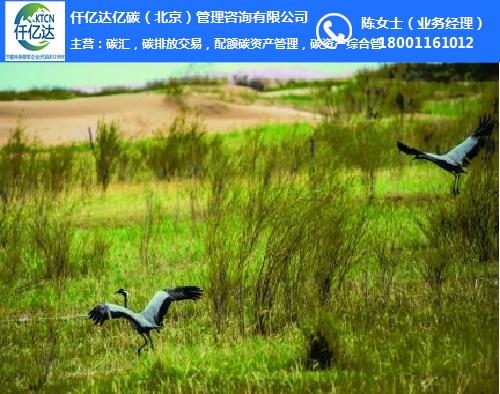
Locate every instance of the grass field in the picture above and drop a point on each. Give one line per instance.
(339, 266)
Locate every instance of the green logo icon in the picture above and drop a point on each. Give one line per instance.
(34, 26)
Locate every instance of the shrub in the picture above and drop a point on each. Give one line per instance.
(312, 244)
(12, 243)
(17, 168)
(180, 153)
(467, 226)
(106, 151)
(51, 236)
(58, 169)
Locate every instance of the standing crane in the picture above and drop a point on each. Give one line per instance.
(151, 317)
(455, 160)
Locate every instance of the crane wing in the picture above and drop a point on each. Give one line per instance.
(408, 150)
(467, 150)
(471, 146)
(441, 161)
(485, 127)
(100, 313)
(159, 304)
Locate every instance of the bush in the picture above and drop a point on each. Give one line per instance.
(467, 226)
(462, 232)
(276, 252)
(180, 153)
(58, 169)
(51, 238)
(18, 173)
(106, 151)
(12, 243)
(312, 244)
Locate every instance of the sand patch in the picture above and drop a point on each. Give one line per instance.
(139, 115)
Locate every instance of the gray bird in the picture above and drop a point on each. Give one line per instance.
(455, 160)
(151, 317)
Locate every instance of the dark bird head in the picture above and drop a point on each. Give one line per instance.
(124, 293)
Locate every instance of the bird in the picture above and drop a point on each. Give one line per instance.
(457, 159)
(151, 318)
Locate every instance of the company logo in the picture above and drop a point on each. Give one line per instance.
(333, 29)
(34, 26)
(34, 31)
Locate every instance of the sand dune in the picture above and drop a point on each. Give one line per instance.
(139, 115)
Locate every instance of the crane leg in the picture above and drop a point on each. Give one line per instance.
(458, 182)
(150, 341)
(455, 185)
(143, 345)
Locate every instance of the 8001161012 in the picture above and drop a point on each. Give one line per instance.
(430, 42)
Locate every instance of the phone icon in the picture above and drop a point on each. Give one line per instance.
(326, 27)
(338, 38)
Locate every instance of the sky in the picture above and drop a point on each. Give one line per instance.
(89, 76)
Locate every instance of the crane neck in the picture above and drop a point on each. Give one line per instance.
(125, 299)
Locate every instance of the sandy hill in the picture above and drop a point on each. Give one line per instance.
(139, 115)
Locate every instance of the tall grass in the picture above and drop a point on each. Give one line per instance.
(148, 245)
(17, 168)
(310, 284)
(106, 150)
(51, 238)
(469, 224)
(261, 232)
(180, 152)
(58, 171)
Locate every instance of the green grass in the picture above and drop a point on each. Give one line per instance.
(452, 107)
(402, 347)
(299, 101)
(268, 133)
(306, 84)
(400, 330)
